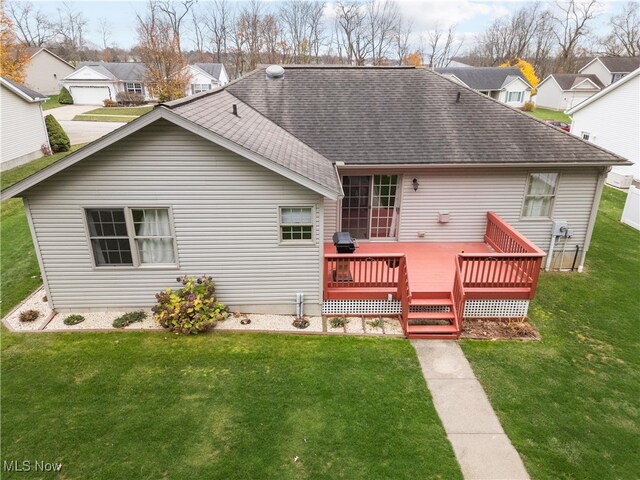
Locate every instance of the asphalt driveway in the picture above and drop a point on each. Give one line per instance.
(81, 132)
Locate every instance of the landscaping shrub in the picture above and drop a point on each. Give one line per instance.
(29, 315)
(190, 309)
(107, 102)
(128, 318)
(126, 99)
(73, 320)
(337, 322)
(65, 97)
(528, 106)
(58, 139)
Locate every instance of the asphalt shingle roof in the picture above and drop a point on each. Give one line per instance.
(621, 64)
(32, 94)
(401, 116)
(123, 71)
(483, 78)
(257, 133)
(212, 69)
(569, 80)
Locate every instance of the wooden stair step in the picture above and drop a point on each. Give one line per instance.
(431, 302)
(430, 316)
(437, 329)
(425, 295)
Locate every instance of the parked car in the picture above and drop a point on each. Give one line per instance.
(561, 125)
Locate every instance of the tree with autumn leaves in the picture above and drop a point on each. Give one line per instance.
(527, 70)
(13, 55)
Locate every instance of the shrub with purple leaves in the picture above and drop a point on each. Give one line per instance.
(190, 309)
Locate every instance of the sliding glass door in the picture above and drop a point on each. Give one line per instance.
(370, 206)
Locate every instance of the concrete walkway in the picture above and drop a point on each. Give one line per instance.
(483, 450)
(80, 131)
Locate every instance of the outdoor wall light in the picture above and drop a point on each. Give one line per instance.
(415, 184)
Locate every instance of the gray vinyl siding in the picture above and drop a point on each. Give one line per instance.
(44, 72)
(23, 130)
(330, 219)
(469, 194)
(225, 212)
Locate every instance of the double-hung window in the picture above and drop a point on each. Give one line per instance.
(514, 97)
(134, 87)
(200, 87)
(539, 195)
(131, 236)
(296, 224)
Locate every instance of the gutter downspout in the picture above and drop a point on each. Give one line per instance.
(44, 124)
(592, 218)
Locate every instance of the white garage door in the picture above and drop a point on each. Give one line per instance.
(89, 95)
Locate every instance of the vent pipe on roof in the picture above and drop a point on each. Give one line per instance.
(274, 72)
(458, 98)
(234, 109)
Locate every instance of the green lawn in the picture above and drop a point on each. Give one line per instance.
(150, 405)
(51, 102)
(103, 118)
(546, 114)
(20, 271)
(136, 111)
(570, 402)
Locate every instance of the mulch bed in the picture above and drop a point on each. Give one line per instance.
(499, 329)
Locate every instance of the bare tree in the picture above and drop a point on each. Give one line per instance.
(624, 38)
(159, 50)
(316, 29)
(383, 18)
(572, 21)
(218, 23)
(176, 11)
(276, 49)
(32, 26)
(199, 25)
(70, 29)
(351, 29)
(443, 46)
(401, 40)
(105, 28)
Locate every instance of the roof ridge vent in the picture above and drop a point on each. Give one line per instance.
(275, 72)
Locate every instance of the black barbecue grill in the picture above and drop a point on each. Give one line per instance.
(344, 242)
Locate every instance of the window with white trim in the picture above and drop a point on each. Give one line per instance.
(200, 87)
(540, 194)
(585, 135)
(133, 87)
(131, 236)
(296, 224)
(515, 97)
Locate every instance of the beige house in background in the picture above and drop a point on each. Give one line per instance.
(610, 69)
(23, 132)
(45, 70)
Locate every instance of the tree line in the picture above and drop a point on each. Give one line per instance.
(553, 37)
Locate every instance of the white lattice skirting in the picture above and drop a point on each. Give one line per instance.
(496, 308)
(364, 307)
(472, 309)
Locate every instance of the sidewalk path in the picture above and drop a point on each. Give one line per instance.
(483, 450)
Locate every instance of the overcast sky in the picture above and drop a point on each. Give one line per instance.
(470, 16)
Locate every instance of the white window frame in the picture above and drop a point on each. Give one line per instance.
(198, 87)
(585, 136)
(553, 196)
(134, 87)
(519, 94)
(133, 245)
(281, 224)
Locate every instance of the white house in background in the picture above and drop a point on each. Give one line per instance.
(23, 132)
(610, 69)
(45, 70)
(561, 91)
(94, 82)
(505, 84)
(611, 120)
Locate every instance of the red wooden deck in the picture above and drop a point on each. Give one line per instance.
(431, 266)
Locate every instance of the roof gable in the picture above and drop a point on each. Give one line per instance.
(23, 92)
(212, 69)
(259, 151)
(594, 98)
(511, 79)
(483, 78)
(33, 51)
(120, 71)
(89, 72)
(567, 81)
(617, 64)
(584, 84)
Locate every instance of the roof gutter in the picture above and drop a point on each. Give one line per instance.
(414, 166)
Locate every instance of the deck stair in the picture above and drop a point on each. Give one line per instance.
(431, 315)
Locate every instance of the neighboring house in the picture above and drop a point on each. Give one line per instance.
(505, 84)
(45, 70)
(94, 82)
(23, 129)
(611, 120)
(610, 69)
(249, 182)
(561, 91)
